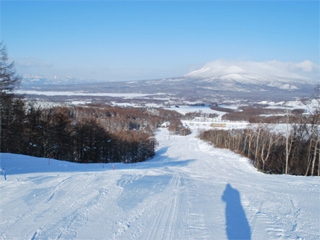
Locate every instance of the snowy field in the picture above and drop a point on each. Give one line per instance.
(68, 93)
(189, 190)
(186, 109)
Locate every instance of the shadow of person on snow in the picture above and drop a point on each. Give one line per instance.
(237, 226)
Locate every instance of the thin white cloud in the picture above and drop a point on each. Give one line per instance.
(31, 63)
(306, 66)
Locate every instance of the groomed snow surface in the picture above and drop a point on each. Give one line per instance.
(189, 190)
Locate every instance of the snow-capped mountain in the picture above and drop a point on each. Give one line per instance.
(241, 75)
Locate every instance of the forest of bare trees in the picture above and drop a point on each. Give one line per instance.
(296, 151)
(99, 133)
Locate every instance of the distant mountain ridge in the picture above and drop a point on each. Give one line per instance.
(266, 80)
(273, 74)
(39, 80)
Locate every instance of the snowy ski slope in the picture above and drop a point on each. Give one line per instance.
(190, 190)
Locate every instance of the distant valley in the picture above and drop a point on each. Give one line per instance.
(215, 82)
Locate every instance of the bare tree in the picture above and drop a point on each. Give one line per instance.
(288, 145)
(315, 156)
(8, 77)
(8, 81)
(268, 140)
(257, 144)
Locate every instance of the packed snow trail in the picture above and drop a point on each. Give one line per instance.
(190, 190)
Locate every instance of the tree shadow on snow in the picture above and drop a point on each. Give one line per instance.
(22, 164)
(161, 160)
(237, 226)
(162, 150)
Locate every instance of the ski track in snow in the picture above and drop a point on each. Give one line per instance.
(189, 190)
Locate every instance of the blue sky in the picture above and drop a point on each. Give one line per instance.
(127, 40)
